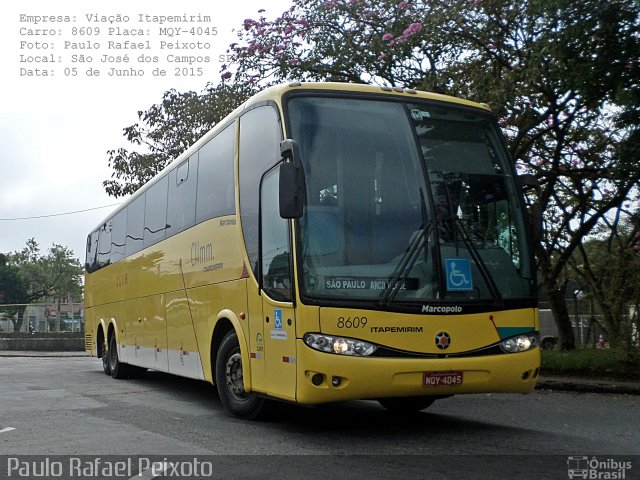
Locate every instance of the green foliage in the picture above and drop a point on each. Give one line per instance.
(58, 273)
(591, 362)
(165, 131)
(28, 276)
(12, 287)
(607, 268)
(561, 76)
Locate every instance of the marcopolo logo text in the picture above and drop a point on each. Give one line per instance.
(441, 309)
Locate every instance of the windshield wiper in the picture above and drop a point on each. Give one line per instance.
(475, 255)
(409, 258)
(458, 228)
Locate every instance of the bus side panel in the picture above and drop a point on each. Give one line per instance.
(144, 332)
(183, 350)
(90, 332)
(207, 303)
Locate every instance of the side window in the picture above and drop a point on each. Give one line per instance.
(155, 212)
(181, 210)
(91, 262)
(276, 269)
(118, 235)
(216, 185)
(260, 137)
(135, 225)
(104, 244)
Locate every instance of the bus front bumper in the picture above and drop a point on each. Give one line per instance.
(325, 377)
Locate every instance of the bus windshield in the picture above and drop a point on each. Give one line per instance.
(407, 202)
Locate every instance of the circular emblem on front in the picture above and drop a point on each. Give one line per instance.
(443, 340)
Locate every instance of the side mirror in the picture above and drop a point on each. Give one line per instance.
(292, 187)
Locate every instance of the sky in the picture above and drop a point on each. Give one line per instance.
(55, 130)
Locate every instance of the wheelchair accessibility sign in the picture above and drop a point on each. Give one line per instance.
(277, 318)
(458, 272)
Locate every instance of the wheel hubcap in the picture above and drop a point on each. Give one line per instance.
(233, 374)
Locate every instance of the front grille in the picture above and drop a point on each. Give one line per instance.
(393, 353)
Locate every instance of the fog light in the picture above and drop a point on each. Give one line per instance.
(336, 381)
(317, 379)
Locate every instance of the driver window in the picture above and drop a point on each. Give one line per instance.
(276, 251)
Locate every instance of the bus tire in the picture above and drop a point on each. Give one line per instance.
(229, 382)
(105, 359)
(406, 404)
(118, 369)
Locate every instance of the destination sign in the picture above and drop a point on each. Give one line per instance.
(366, 283)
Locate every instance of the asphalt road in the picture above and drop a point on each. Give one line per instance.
(68, 407)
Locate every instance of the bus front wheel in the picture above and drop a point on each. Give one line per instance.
(229, 381)
(406, 404)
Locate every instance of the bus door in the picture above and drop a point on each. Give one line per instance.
(277, 306)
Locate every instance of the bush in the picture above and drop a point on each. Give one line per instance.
(592, 362)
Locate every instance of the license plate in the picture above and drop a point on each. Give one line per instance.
(442, 379)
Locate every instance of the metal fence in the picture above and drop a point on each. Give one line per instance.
(587, 323)
(42, 318)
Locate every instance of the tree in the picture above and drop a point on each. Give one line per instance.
(12, 287)
(562, 77)
(608, 268)
(56, 274)
(168, 129)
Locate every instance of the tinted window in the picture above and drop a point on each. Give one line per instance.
(118, 236)
(181, 212)
(104, 244)
(276, 272)
(135, 225)
(260, 136)
(92, 252)
(215, 176)
(155, 212)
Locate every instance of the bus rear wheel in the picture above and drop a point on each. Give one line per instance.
(105, 358)
(406, 404)
(118, 369)
(229, 382)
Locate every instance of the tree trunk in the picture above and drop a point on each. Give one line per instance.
(558, 303)
(19, 320)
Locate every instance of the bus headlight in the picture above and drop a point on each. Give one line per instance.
(519, 343)
(339, 345)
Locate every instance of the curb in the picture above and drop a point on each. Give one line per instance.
(40, 354)
(589, 386)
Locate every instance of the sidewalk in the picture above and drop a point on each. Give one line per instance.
(546, 382)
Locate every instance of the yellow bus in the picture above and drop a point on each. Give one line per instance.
(325, 242)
